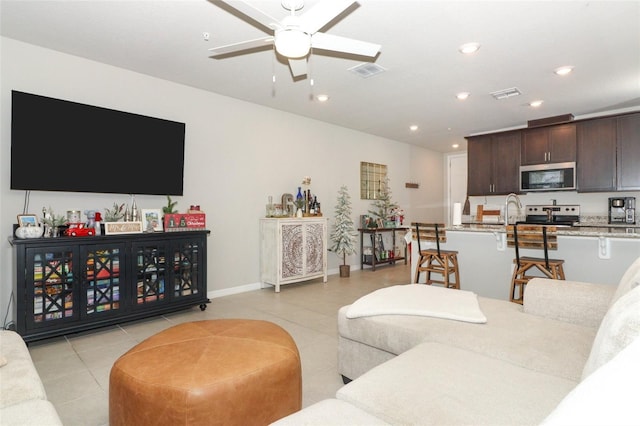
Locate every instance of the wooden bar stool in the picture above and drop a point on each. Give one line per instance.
(542, 237)
(443, 262)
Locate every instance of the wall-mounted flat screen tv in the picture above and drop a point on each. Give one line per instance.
(59, 145)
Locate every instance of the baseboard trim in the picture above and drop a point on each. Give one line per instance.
(233, 290)
(253, 286)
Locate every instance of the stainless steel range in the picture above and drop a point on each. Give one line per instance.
(553, 214)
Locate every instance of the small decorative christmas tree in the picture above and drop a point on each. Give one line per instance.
(383, 204)
(344, 233)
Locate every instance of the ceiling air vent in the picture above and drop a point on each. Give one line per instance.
(506, 93)
(367, 70)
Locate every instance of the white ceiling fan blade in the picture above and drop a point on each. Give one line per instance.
(298, 66)
(253, 13)
(243, 45)
(322, 13)
(343, 44)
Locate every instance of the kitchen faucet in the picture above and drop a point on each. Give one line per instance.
(506, 206)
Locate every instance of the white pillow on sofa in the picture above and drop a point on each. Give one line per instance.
(619, 327)
(609, 396)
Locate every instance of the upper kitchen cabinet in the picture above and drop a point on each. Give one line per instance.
(493, 163)
(609, 154)
(596, 157)
(552, 144)
(628, 144)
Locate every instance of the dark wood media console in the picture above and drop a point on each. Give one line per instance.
(70, 284)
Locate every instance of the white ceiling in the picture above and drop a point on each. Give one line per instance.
(522, 42)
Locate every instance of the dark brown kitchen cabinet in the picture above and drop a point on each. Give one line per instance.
(493, 163)
(596, 156)
(552, 144)
(628, 159)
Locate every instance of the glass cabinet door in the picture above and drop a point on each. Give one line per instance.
(187, 260)
(53, 285)
(101, 280)
(151, 273)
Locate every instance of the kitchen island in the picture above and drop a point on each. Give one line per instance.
(597, 254)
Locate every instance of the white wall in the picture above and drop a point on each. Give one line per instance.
(237, 154)
(427, 202)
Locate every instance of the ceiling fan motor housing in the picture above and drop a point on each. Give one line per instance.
(292, 5)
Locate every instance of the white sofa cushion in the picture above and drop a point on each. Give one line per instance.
(609, 396)
(19, 380)
(436, 384)
(529, 341)
(568, 301)
(330, 412)
(36, 412)
(620, 326)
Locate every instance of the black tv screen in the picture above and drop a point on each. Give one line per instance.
(59, 145)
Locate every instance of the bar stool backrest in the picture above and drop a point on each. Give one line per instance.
(430, 232)
(542, 237)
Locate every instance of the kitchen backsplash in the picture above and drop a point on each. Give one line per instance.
(593, 206)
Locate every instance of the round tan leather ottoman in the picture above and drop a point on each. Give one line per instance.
(216, 372)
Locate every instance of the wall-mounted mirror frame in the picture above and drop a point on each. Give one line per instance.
(372, 178)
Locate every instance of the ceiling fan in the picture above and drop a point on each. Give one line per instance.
(295, 35)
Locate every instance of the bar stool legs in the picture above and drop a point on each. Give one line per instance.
(520, 278)
(446, 265)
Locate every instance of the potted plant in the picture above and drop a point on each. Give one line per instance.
(170, 208)
(383, 206)
(114, 214)
(52, 221)
(344, 233)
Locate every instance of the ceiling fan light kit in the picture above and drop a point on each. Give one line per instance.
(292, 43)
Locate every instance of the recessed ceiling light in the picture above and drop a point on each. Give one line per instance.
(563, 70)
(462, 95)
(535, 104)
(322, 98)
(469, 48)
(413, 127)
(455, 145)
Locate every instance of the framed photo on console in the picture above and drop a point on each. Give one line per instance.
(27, 220)
(152, 220)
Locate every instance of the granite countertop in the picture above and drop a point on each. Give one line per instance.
(590, 230)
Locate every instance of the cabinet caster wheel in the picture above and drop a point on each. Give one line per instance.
(203, 306)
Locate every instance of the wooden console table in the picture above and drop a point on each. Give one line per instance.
(378, 256)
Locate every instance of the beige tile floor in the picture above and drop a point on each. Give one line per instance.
(75, 368)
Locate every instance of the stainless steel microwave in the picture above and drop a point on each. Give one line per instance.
(548, 177)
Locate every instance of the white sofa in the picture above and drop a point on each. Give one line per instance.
(569, 355)
(23, 400)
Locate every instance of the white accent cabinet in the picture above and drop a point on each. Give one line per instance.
(292, 250)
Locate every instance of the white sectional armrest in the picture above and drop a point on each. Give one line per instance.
(569, 301)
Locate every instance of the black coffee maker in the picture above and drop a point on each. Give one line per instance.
(622, 210)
